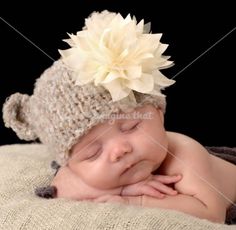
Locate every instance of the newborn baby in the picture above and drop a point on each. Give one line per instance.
(113, 64)
(118, 159)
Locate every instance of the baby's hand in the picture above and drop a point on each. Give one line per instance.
(155, 185)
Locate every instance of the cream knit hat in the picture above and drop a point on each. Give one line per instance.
(113, 65)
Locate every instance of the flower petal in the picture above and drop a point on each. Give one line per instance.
(144, 84)
(147, 28)
(133, 72)
(161, 80)
(72, 58)
(110, 77)
(99, 76)
(117, 90)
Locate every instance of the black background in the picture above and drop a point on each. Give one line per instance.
(201, 103)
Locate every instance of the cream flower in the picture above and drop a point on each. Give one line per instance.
(119, 54)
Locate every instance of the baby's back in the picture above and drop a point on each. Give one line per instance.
(226, 175)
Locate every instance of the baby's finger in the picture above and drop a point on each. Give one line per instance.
(150, 191)
(167, 179)
(162, 188)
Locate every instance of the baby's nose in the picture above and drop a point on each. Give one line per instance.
(119, 150)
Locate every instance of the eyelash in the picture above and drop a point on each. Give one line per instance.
(133, 127)
(94, 154)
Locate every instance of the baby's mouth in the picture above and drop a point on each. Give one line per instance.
(129, 166)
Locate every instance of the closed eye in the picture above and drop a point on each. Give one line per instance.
(129, 126)
(94, 154)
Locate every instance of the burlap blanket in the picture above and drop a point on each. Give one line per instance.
(24, 167)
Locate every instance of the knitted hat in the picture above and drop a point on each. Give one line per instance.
(113, 65)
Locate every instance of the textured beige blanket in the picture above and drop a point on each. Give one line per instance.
(24, 167)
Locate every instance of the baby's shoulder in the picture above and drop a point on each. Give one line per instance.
(186, 150)
(181, 140)
(186, 147)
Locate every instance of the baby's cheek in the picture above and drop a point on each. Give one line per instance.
(101, 179)
(68, 193)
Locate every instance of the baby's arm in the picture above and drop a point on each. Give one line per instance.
(187, 204)
(154, 185)
(184, 203)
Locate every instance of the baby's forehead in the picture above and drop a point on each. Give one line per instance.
(105, 124)
(114, 119)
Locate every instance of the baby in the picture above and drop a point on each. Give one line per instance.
(79, 110)
(116, 161)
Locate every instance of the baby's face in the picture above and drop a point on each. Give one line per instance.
(120, 151)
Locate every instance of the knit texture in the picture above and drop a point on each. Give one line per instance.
(59, 112)
(26, 166)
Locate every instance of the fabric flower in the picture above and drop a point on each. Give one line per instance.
(119, 54)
